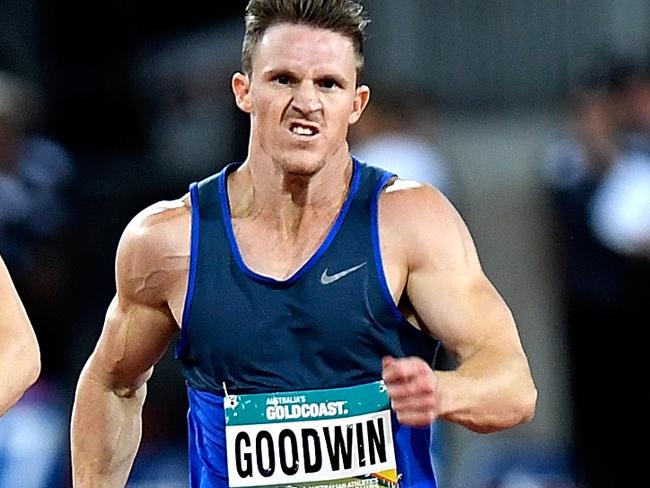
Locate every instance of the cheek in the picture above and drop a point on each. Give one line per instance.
(261, 109)
(265, 114)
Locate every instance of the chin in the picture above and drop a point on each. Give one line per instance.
(300, 166)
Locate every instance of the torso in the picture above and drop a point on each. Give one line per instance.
(262, 317)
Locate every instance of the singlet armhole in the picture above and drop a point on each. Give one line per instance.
(376, 246)
(191, 278)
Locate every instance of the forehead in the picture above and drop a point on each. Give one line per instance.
(293, 46)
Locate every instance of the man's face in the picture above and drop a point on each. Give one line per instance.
(302, 96)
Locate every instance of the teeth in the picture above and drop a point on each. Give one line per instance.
(303, 131)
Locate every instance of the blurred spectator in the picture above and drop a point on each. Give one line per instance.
(35, 212)
(620, 214)
(585, 170)
(186, 105)
(621, 209)
(397, 133)
(35, 173)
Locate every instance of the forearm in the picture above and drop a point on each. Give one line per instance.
(105, 434)
(490, 391)
(19, 368)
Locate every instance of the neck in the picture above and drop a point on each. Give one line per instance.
(287, 200)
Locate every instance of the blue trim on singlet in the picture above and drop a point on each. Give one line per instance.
(191, 275)
(232, 240)
(206, 429)
(376, 247)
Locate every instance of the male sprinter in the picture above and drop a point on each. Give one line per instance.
(311, 292)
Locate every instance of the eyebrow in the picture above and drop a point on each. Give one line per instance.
(272, 73)
(326, 75)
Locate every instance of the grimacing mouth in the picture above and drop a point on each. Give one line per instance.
(303, 128)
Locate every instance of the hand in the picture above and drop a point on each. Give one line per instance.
(413, 390)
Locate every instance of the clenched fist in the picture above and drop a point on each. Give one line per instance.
(413, 390)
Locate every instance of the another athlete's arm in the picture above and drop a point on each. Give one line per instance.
(492, 388)
(20, 362)
(106, 419)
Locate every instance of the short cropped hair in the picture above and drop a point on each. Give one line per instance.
(345, 17)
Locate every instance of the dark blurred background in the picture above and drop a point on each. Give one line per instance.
(533, 117)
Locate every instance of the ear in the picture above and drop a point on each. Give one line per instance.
(361, 99)
(240, 84)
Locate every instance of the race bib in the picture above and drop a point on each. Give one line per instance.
(336, 438)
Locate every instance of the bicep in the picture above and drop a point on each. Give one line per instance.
(450, 293)
(133, 339)
(464, 311)
(139, 324)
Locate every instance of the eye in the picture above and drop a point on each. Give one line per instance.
(284, 79)
(328, 83)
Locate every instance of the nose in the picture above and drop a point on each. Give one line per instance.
(306, 99)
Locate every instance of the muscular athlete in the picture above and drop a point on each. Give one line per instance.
(280, 209)
(20, 362)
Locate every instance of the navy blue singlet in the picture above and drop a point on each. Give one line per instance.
(327, 326)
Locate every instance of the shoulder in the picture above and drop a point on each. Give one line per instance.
(154, 245)
(429, 226)
(155, 228)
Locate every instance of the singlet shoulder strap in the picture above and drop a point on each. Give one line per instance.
(208, 198)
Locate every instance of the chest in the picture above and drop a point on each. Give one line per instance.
(270, 251)
(267, 254)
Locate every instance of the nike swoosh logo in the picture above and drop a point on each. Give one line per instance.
(326, 279)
